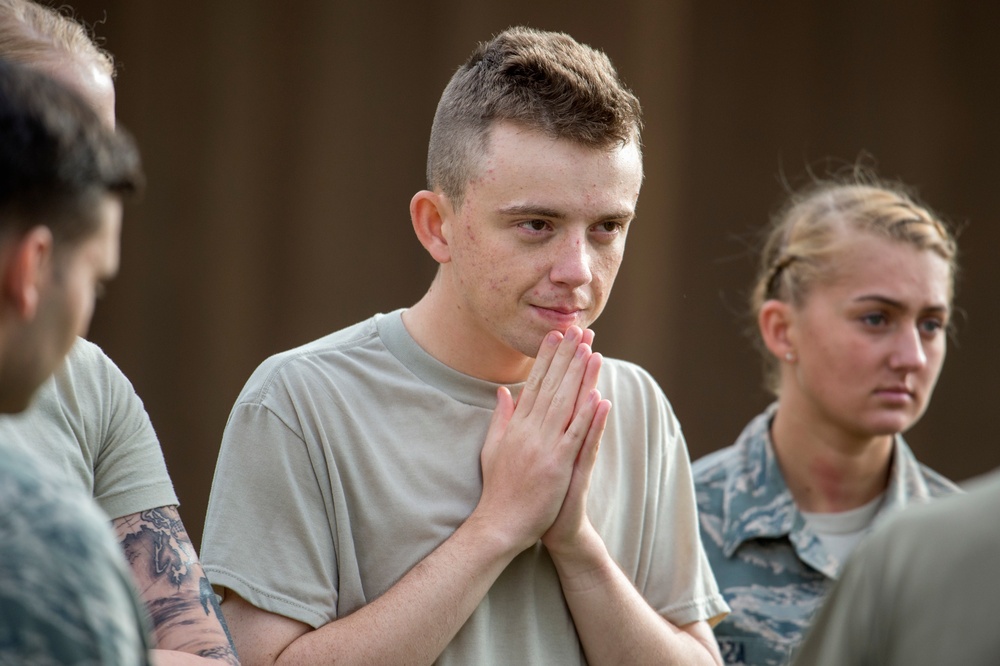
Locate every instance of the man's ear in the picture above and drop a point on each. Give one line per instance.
(776, 323)
(431, 213)
(29, 262)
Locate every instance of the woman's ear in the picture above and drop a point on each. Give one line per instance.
(431, 214)
(776, 323)
(28, 263)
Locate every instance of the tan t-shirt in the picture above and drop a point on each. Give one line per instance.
(87, 421)
(347, 461)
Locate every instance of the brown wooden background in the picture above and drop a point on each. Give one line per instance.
(283, 140)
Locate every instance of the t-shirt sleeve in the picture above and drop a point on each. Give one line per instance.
(267, 532)
(642, 497)
(130, 473)
(671, 569)
(678, 531)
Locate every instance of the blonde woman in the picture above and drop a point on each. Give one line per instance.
(852, 302)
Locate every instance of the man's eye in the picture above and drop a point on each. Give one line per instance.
(535, 225)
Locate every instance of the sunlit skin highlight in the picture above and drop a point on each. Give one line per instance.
(89, 79)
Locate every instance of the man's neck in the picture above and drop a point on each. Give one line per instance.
(431, 324)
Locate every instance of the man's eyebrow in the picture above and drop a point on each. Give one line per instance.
(531, 209)
(536, 210)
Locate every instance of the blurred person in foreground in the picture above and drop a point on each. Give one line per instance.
(425, 486)
(921, 591)
(65, 594)
(852, 303)
(87, 419)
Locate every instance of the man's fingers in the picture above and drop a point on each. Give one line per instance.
(550, 345)
(556, 370)
(498, 422)
(590, 377)
(567, 392)
(588, 453)
(579, 427)
(504, 409)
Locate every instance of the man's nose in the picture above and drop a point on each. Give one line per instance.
(572, 264)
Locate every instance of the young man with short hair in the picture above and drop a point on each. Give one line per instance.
(381, 495)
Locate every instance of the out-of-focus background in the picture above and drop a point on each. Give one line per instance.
(283, 141)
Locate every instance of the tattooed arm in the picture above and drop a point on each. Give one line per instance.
(188, 627)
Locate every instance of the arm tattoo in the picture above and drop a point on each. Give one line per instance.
(163, 538)
(172, 584)
(209, 600)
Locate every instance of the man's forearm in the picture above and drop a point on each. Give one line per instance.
(416, 618)
(615, 623)
(186, 618)
(176, 658)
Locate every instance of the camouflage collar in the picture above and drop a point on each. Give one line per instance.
(758, 505)
(756, 500)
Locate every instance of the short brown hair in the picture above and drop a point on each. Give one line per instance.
(545, 80)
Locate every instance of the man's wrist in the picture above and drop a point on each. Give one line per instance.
(487, 534)
(585, 563)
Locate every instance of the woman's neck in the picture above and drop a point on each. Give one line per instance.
(826, 469)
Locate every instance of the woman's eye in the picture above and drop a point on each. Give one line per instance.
(931, 326)
(874, 319)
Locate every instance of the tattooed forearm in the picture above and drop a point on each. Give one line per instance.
(180, 612)
(182, 605)
(210, 603)
(158, 538)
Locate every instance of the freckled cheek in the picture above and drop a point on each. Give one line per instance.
(499, 282)
(605, 268)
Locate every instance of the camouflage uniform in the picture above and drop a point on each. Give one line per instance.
(66, 596)
(771, 567)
